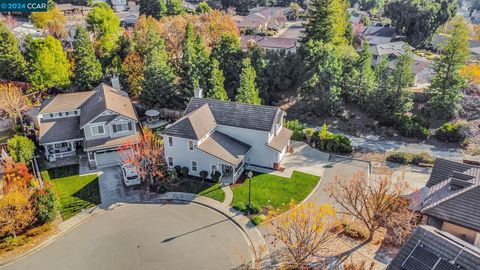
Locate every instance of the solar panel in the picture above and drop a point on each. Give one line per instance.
(420, 259)
(414, 264)
(445, 265)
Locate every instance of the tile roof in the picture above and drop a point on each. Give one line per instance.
(234, 114)
(193, 125)
(65, 102)
(106, 98)
(106, 143)
(61, 129)
(279, 141)
(432, 249)
(224, 147)
(449, 201)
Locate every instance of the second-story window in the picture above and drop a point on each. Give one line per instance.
(60, 114)
(122, 127)
(190, 145)
(98, 130)
(51, 115)
(170, 141)
(67, 113)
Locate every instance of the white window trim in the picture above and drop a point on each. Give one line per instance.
(93, 134)
(191, 166)
(168, 161)
(193, 145)
(123, 131)
(211, 169)
(170, 141)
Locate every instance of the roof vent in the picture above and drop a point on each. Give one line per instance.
(458, 183)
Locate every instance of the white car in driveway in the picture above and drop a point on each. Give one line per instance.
(130, 175)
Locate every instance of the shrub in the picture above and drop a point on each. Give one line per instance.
(308, 133)
(204, 175)
(408, 158)
(297, 127)
(11, 242)
(239, 206)
(38, 230)
(410, 127)
(452, 133)
(185, 171)
(178, 169)
(257, 220)
(45, 205)
(334, 143)
(20, 148)
(216, 176)
(254, 209)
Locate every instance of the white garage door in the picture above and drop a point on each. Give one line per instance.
(108, 159)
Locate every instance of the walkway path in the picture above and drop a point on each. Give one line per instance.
(228, 195)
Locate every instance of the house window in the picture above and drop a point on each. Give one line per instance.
(170, 141)
(170, 161)
(97, 130)
(123, 127)
(51, 115)
(60, 145)
(60, 114)
(190, 145)
(67, 113)
(194, 166)
(75, 112)
(214, 168)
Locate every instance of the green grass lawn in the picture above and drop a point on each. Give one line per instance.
(214, 192)
(272, 192)
(74, 192)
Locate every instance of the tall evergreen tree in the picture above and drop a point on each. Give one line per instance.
(159, 84)
(446, 86)
(327, 21)
(12, 63)
(229, 54)
(190, 78)
(87, 72)
(378, 99)
(403, 78)
(216, 83)
(105, 25)
(359, 82)
(154, 8)
(174, 8)
(247, 91)
(201, 62)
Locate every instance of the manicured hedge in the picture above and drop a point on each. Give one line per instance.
(410, 158)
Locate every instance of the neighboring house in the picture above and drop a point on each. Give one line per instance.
(440, 40)
(376, 35)
(452, 203)
(260, 19)
(97, 122)
(226, 136)
(431, 249)
(119, 5)
(73, 11)
(270, 43)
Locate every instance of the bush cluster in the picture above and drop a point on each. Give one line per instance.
(452, 132)
(409, 158)
(254, 209)
(297, 127)
(333, 143)
(45, 205)
(409, 126)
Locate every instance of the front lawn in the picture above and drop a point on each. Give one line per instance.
(275, 192)
(74, 192)
(195, 185)
(214, 192)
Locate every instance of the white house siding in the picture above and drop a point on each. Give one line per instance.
(260, 154)
(183, 156)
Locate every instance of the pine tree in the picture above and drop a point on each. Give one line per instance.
(12, 64)
(229, 54)
(159, 84)
(174, 8)
(88, 70)
(378, 99)
(403, 78)
(154, 8)
(359, 81)
(216, 83)
(190, 78)
(201, 62)
(446, 86)
(247, 91)
(327, 21)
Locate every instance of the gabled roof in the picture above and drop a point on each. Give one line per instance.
(193, 125)
(106, 98)
(392, 48)
(61, 129)
(224, 147)
(379, 31)
(279, 141)
(431, 249)
(454, 193)
(241, 115)
(65, 102)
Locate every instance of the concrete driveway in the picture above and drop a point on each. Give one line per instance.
(112, 188)
(146, 236)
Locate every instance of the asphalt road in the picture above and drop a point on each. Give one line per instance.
(146, 236)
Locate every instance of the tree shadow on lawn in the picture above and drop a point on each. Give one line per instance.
(89, 193)
(65, 171)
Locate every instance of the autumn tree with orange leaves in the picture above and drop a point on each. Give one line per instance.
(16, 177)
(375, 201)
(147, 156)
(303, 232)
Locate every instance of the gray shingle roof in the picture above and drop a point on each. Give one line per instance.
(193, 125)
(441, 245)
(279, 141)
(224, 147)
(454, 204)
(65, 102)
(248, 116)
(106, 98)
(61, 129)
(107, 143)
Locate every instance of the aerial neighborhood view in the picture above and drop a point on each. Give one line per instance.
(240, 134)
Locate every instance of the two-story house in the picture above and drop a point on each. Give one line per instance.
(96, 122)
(226, 136)
(452, 203)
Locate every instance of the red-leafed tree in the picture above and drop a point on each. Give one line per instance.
(147, 156)
(16, 177)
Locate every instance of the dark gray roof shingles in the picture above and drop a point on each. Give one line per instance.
(61, 129)
(225, 148)
(193, 125)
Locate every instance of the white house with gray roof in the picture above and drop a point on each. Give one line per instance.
(225, 136)
(96, 122)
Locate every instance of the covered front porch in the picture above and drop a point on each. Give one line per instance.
(231, 173)
(58, 150)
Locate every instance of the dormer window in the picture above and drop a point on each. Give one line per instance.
(97, 130)
(123, 127)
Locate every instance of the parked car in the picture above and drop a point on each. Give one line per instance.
(130, 175)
